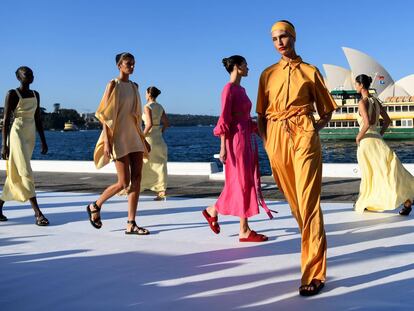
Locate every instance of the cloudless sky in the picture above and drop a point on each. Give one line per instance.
(179, 45)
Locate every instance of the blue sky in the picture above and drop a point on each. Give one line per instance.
(178, 45)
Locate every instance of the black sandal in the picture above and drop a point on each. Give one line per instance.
(138, 231)
(405, 211)
(3, 218)
(96, 223)
(313, 290)
(41, 220)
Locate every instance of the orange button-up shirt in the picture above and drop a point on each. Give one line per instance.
(292, 88)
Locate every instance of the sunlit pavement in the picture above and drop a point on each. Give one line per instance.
(182, 265)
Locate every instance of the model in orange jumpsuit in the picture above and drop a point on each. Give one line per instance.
(288, 93)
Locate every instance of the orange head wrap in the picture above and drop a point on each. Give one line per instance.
(284, 26)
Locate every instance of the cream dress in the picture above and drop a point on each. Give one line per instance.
(19, 184)
(385, 183)
(154, 171)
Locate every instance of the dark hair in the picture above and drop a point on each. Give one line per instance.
(153, 92)
(231, 61)
(121, 56)
(22, 68)
(364, 80)
(287, 22)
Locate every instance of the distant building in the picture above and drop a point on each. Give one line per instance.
(339, 78)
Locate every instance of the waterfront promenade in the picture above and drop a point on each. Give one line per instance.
(182, 265)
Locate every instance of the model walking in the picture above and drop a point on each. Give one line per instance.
(385, 183)
(154, 171)
(241, 194)
(287, 93)
(122, 141)
(19, 141)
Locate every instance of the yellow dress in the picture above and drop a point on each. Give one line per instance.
(154, 171)
(121, 113)
(385, 183)
(19, 184)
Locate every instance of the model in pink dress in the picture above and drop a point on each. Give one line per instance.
(241, 195)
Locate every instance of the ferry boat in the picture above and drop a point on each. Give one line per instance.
(344, 125)
(70, 127)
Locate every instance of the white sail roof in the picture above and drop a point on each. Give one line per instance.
(362, 63)
(338, 78)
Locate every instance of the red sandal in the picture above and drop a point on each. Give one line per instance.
(254, 237)
(210, 220)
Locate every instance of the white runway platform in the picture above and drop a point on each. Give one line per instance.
(183, 266)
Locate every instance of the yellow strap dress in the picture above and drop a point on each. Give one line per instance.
(385, 183)
(154, 171)
(19, 184)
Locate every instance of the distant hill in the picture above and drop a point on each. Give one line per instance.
(191, 120)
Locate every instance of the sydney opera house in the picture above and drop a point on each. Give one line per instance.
(339, 78)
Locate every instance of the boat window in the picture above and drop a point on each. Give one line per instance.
(404, 108)
(351, 123)
(351, 109)
(411, 108)
(410, 123)
(331, 124)
(397, 108)
(345, 124)
(338, 124)
(343, 110)
(391, 108)
(404, 122)
(398, 123)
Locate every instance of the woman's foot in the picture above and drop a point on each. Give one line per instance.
(94, 212)
(161, 196)
(212, 220)
(406, 210)
(132, 228)
(3, 218)
(41, 220)
(313, 288)
(252, 236)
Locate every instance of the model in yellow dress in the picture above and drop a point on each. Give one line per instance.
(385, 183)
(122, 141)
(154, 170)
(18, 144)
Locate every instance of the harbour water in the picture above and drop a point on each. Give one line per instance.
(197, 144)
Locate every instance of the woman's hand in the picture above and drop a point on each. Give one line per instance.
(44, 149)
(5, 152)
(107, 149)
(358, 139)
(223, 154)
(147, 145)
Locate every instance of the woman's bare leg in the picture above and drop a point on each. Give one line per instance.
(123, 174)
(135, 160)
(244, 228)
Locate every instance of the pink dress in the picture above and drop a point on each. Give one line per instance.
(241, 195)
